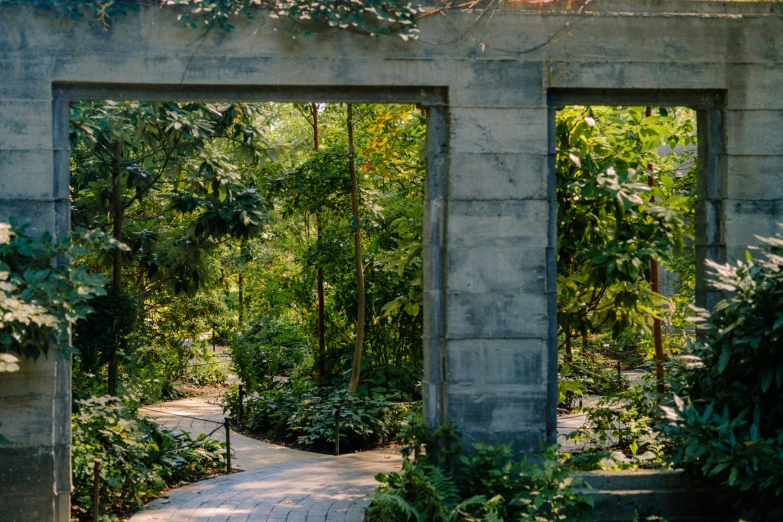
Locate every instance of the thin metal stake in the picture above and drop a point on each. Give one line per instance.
(337, 430)
(228, 443)
(96, 485)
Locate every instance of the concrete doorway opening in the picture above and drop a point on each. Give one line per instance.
(175, 163)
(431, 102)
(663, 151)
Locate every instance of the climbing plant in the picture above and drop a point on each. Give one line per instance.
(372, 17)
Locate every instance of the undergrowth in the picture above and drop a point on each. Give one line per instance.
(441, 483)
(138, 458)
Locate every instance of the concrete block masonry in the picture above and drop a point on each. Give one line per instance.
(489, 222)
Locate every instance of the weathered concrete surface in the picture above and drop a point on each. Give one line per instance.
(625, 496)
(490, 223)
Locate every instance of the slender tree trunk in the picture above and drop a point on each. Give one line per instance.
(320, 283)
(118, 213)
(569, 352)
(657, 336)
(357, 242)
(241, 301)
(320, 292)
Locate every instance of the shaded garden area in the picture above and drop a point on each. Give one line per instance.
(291, 236)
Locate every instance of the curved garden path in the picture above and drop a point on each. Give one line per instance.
(277, 484)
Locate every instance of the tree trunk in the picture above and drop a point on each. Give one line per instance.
(657, 336)
(241, 301)
(320, 292)
(320, 283)
(357, 242)
(118, 214)
(569, 352)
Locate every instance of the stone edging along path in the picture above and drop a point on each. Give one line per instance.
(278, 484)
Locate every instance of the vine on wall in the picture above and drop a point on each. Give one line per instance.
(370, 17)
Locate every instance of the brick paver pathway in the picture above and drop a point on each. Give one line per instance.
(278, 484)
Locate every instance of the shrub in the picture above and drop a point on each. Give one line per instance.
(210, 370)
(446, 485)
(41, 298)
(730, 426)
(269, 348)
(294, 412)
(138, 457)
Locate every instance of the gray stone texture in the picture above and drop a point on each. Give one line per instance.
(490, 313)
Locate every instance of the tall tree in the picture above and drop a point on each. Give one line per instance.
(357, 245)
(611, 223)
(320, 275)
(154, 175)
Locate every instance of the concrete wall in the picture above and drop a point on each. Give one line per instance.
(490, 228)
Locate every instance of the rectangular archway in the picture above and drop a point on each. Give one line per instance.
(710, 242)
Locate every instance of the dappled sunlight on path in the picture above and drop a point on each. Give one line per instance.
(279, 484)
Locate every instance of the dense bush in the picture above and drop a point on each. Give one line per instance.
(269, 348)
(487, 484)
(729, 428)
(305, 416)
(138, 457)
(209, 373)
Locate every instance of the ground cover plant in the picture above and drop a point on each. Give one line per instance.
(305, 416)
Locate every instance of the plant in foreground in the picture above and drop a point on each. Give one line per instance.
(138, 457)
(729, 426)
(486, 484)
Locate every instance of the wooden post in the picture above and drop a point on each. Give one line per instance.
(96, 487)
(228, 443)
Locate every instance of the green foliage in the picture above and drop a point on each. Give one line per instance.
(622, 431)
(299, 414)
(625, 422)
(587, 376)
(138, 457)
(209, 370)
(729, 428)
(164, 178)
(488, 483)
(178, 189)
(42, 292)
(311, 231)
(372, 17)
(611, 223)
(106, 331)
(267, 349)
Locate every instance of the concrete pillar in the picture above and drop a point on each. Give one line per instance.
(495, 359)
(35, 402)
